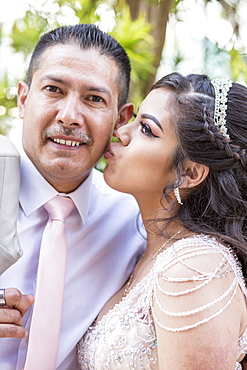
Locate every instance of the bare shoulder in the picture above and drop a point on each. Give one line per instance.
(201, 277)
(198, 304)
(197, 257)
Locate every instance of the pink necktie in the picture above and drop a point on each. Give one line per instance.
(47, 311)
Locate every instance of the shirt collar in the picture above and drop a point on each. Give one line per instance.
(35, 190)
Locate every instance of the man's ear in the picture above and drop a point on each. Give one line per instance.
(22, 91)
(193, 174)
(124, 115)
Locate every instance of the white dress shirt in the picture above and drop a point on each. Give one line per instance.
(103, 243)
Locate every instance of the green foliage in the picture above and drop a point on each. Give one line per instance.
(215, 59)
(238, 63)
(135, 37)
(1, 31)
(84, 10)
(7, 102)
(26, 31)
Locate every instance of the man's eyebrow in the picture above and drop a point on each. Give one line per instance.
(98, 89)
(64, 82)
(54, 78)
(154, 119)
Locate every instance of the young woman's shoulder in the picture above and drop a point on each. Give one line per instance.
(199, 308)
(197, 281)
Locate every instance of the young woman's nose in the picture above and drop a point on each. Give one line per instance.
(69, 113)
(124, 134)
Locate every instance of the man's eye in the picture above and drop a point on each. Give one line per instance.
(96, 98)
(52, 88)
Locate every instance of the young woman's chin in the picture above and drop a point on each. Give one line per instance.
(111, 178)
(115, 181)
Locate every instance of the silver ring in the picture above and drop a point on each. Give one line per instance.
(2, 299)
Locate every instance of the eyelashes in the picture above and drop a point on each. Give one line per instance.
(146, 130)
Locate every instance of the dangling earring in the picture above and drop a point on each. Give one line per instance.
(177, 195)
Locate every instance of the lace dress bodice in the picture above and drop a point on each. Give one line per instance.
(125, 337)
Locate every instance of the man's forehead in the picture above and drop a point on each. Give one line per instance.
(75, 57)
(72, 56)
(74, 50)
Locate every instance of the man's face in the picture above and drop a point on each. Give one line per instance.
(69, 113)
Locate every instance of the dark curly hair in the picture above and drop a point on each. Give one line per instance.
(218, 206)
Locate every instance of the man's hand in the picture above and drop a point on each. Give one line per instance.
(11, 315)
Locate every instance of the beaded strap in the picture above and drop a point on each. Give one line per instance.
(196, 324)
(233, 287)
(181, 252)
(221, 87)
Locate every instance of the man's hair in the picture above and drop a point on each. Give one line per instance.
(85, 36)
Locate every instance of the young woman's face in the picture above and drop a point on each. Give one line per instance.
(140, 163)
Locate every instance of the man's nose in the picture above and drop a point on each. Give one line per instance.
(69, 113)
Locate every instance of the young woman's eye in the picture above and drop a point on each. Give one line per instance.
(146, 130)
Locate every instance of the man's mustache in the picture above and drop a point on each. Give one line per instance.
(74, 132)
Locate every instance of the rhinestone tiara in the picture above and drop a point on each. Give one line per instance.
(221, 87)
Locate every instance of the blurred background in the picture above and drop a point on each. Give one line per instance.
(160, 36)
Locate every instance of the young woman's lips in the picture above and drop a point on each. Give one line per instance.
(109, 153)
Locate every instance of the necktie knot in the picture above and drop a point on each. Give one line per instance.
(59, 207)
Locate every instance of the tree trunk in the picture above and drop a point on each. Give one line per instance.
(157, 13)
(134, 6)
